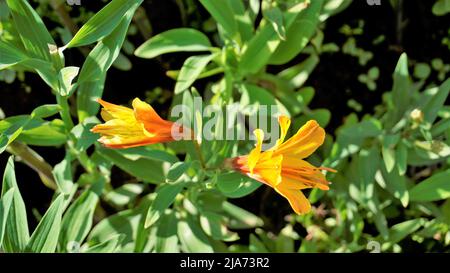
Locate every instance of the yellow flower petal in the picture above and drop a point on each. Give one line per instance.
(284, 122)
(296, 198)
(255, 153)
(126, 127)
(304, 142)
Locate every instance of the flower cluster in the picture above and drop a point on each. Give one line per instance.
(281, 167)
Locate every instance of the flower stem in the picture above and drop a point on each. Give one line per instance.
(65, 112)
(34, 161)
(198, 149)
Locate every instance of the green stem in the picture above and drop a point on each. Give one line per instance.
(34, 161)
(65, 111)
(199, 153)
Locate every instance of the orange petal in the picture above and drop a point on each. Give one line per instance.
(254, 155)
(111, 111)
(299, 203)
(145, 113)
(270, 170)
(284, 122)
(308, 138)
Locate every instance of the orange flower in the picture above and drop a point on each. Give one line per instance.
(282, 167)
(125, 127)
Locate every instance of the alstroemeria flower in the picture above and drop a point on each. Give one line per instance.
(282, 167)
(125, 127)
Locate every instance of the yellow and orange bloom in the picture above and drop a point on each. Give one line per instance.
(282, 167)
(125, 127)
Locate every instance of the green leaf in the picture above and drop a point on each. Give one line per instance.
(177, 170)
(438, 100)
(264, 43)
(299, 73)
(45, 111)
(431, 189)
(174, 40)
(388, 151)
(93, 71)
(401, 94)
(103, 22)
(399, 231)
(190, 71)
(66, 76)
(222, 12)
(192, 237)
(240, 218)
(214, 225)
(108, 246)
(125, 222)
(243, 19)
(395, 183)
(274, 15)
(33, 33)
(10, 55)
(16, 232)
(230, 182)
(62, 173)
(5, 205)
(145, 169)
(46, 134)
(256, 245)
(77, 221)
(12, 132)
(401, 156)
(82, 132)
(298, 34)
(45, 237)
(124, 195)
(166, 234)
(235, 185)
(441, 7)
(165, 196)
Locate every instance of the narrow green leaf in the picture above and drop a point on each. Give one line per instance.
(177, 170)
(166, 234)
(388, 150)
(77, 221)
(174, 40)
(62, 173)
(222, 12)
(298, 34)
(93, 72)
(437, 187)
(432, 108)
(5, 205)
(10, 55)
(66, 76)
(243, 19)
(16, 232)
(261, 47)
(46, 110)
(240, 218)
(399, 231)
(108, 246)
(275, 17)
(192, 237)
(165, 196)
(190, 71)
(401, 156)
(103, 22)
(45, 237)
(145, 169)
(33, 33)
